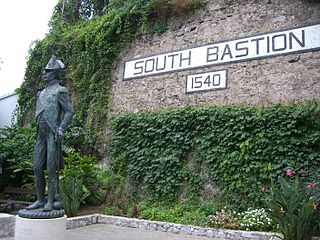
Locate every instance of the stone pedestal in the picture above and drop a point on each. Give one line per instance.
(6, 225)
(40, 229)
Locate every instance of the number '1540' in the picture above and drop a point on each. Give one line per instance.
(207, 81)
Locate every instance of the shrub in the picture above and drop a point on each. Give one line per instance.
(72, 193)
(16, 156)
(183, 213)
(115, 199)
(293, 208)
(83, 167)
(81, 140)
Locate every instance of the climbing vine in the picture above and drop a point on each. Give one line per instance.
(239, 147)
(89, 37)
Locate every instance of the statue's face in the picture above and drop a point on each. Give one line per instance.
(49, 75)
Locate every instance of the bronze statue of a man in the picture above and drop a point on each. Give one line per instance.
(53, 115)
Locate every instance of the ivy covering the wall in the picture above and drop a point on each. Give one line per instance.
(89, 36)
(239, 147)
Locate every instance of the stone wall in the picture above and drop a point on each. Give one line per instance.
(8, 227)
(290, 78)
(7, 224)
(145, 225)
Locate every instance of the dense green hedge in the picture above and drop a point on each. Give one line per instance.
(239, 147)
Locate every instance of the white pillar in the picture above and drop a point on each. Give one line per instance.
(40, 229)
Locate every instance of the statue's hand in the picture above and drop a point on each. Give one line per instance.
(58, 136)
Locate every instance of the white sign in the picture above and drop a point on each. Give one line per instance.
(273, 44)
(206, 81)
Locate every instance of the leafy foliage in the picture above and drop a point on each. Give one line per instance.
(16, 155)
(81, 140)
(89, 36)
(240, 147)
(83, 168)
(79, 181)
(113, 191)
(187, 213)
(17, 151)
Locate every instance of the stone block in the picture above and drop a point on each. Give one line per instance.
(7, 223)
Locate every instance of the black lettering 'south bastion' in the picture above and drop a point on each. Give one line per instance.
(254, 52)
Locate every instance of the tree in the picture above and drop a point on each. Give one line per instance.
(74, 10)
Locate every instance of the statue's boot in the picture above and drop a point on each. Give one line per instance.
(48, 207)
(36, 205)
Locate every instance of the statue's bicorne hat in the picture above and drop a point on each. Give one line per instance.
(54, 64)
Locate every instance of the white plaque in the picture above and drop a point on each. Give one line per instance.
(206, 81)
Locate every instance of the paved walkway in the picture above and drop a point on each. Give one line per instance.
(113, 232)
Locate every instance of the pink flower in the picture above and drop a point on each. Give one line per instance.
(290, 172)
(312, 185)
